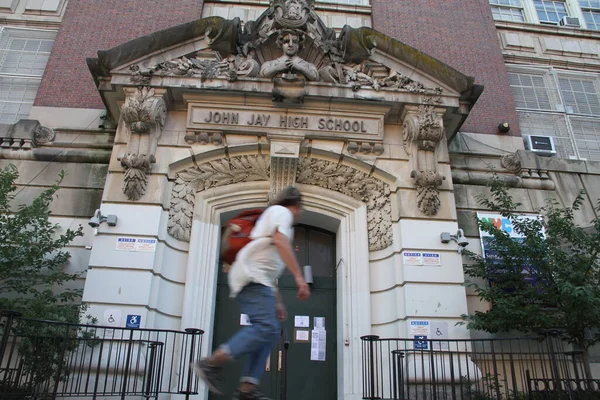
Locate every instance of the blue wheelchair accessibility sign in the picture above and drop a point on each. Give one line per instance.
(133, 321)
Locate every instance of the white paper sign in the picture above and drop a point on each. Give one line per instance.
(318, 349)
(245, 320)
(145, 245)
(319, 322)
(136, 244)
(433, 259)
(419, 328)
(301, 321)
(302, 336)
(412, 258)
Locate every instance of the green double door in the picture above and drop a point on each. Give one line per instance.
(292, 372)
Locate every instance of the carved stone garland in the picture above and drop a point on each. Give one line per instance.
(423, 129)
(359, 185)
(340, 178)
(144, 114)
(207, 175)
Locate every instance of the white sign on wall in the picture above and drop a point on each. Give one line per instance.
(419, 327)
(143, 245)
(420, 259)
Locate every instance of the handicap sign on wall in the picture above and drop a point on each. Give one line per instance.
(133, 321)
(420, 342)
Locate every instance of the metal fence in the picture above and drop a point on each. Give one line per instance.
(473, 369)
(46, 360)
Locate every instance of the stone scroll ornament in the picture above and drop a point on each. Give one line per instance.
(358, 185)
(205, 176)
(144, 114)
(423, 129)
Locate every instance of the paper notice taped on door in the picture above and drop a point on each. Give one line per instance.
(318, 345)
(245, 320)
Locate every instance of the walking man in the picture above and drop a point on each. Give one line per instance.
(252, 282)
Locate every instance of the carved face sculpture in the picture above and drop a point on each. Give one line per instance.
(290, 44)
(293, 9)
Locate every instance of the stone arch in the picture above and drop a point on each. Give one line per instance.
(351, 178)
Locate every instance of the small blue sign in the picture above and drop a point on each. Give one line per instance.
(420, 342)
(133, 321)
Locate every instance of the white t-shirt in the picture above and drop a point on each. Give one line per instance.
(259, 260)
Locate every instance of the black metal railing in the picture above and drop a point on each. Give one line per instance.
(45, 359)
(496, 369)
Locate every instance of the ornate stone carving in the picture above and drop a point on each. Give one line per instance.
(423, 130)
(511, 162)
(43, 134)
(144, 114)
(205, 176)
(365, 148)
(284, 162)
(289, 72)
(359, 185)
(215, 138)
(428, 197)
(135, 180)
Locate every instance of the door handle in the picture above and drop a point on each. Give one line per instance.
(279, 361)
(268, 365)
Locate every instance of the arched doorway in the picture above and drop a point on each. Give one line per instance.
(305, 375)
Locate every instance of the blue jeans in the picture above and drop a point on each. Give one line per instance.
(258, 339)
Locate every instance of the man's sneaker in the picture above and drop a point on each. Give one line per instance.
(253, 395)
(211, 374)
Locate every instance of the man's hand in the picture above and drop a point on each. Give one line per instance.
(280, 311)
(303, 289)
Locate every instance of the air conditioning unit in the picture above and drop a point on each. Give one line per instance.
(541, 145)
(569, 21)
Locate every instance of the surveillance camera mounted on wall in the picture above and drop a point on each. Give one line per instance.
(98, 218)
(459, 238)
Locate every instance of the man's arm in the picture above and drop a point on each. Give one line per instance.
(284, 248)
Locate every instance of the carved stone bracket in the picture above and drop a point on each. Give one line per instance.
(215, 138)
(144, 114)
(205, 176)
(423, 130)
(359, 185)
(284, 162)
(365, 148)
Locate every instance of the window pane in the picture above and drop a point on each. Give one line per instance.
(580, 96)
(589, 3)
(529, 91)
(592, 19)
(550, 11)
(16, 98)
(547, 124)
(507, 14)
(587, 137)
(24, 52)
(514, 3)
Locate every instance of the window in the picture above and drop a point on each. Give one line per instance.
(507, 10)
(550, 12)
(23, 57)
(580, 96)
(561, 104)
(591, 13)
(530, 91)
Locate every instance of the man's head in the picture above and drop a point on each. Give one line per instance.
(291, 198)
(290, 42)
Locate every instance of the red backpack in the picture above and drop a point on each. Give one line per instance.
(237, 233)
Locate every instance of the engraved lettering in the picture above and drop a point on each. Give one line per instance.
(217, 118)
(209, 118)
(251, 122)
(330, 124)
(266, 118)
(346, 125)
(226, 118)
(304, 122)
(355, 126)
(283, 121)
(235, 118)
(362, 127)
(338, 124)
(322, 123)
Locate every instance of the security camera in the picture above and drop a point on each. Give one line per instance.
(461, 239)
(96, 219)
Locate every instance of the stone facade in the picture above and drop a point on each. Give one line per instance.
(390, 145)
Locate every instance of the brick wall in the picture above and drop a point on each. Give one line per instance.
(460, 33)
(92, 25)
